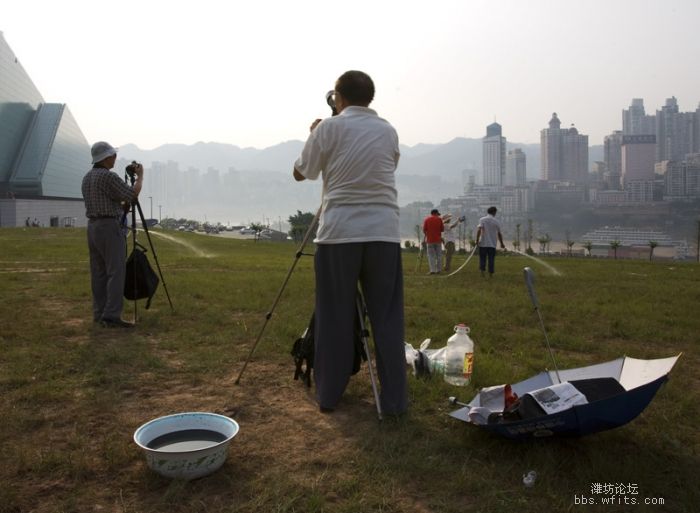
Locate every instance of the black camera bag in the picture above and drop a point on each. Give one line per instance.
(141, 281)
(304, 347)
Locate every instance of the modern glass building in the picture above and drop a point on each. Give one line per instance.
(43, 153)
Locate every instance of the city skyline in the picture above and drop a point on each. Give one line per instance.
(255, 75)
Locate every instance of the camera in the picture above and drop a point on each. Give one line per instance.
(131, 168)
(330, 100)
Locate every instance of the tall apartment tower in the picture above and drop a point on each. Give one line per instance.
(494, 161)
(516, 170)
(681, 179)
(635, 121)
(613, 160)
(696, 131)
(564, 153)
(637, 159)
(674, 132)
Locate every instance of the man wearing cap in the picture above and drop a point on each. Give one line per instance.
(104, 194)
(356, 153)
(488, 233)
(432, 229)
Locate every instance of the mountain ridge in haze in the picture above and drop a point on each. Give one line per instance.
(448, 160)
(252, 184)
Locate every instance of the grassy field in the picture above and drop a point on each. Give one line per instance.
(72, 394)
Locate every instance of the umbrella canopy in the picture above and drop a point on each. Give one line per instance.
(599, 397)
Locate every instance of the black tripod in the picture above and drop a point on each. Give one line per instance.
(361, 315)
(361, 307)
(135, 205)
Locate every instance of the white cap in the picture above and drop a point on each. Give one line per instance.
(101, 150)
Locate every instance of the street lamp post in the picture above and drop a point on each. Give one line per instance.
(160, 213)
(151, 198)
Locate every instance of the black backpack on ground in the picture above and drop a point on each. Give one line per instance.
(303, 351)
(141, 281)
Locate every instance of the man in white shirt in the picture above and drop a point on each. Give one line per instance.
(488, 233)
(356, 153)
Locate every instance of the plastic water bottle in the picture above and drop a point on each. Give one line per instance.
(459, 357)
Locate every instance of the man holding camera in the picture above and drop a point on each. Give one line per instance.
(356, 152)
(106, 198)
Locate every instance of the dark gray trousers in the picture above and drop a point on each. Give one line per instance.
(107, 246)
(377, 267)
(487, 254)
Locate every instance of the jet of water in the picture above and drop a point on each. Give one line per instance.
(549, 267)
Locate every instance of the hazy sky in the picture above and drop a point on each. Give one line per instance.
(254, 72)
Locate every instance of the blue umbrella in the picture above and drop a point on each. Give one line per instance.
(571, 402)
(608, 395)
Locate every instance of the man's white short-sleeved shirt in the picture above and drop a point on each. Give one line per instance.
(490, 228)
(356, 152)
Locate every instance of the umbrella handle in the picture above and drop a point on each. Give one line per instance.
(530, 283)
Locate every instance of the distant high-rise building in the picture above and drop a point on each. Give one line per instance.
(638, 157)
(665, 129)
(564, 153)
(696, 131)
(468, 178)
(638, 166)
(613, 160)
(681, 178)
(494, 161)
(677, 133)
(516, 168)
(674, 132)
(635, 121)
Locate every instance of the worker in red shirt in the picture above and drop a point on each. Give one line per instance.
(432, 229)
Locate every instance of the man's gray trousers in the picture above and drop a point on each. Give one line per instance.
(107, 246)
(377, 267)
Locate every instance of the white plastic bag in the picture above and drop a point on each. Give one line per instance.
(424, 361)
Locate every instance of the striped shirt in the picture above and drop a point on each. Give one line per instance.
(103, 192)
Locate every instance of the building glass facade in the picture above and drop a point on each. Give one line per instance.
(43, 153)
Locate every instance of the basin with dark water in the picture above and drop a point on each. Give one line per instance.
(186, 445)
(186, 440)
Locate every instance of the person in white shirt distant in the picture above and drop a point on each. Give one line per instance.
(488, 234)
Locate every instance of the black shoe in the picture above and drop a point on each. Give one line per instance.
(323, 409)
(116, 323)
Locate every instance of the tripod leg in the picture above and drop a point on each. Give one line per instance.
(153, 251)
(365, 342)
(133, 246)
(298, 255)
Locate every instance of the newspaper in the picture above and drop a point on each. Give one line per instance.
(556, 398)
